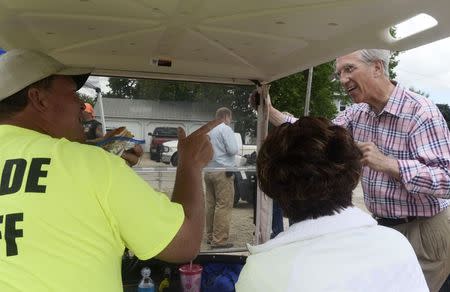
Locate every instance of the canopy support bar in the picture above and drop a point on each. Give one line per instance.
(263, 202)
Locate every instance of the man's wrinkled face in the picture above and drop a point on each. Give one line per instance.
(65, 110)
(355, 76)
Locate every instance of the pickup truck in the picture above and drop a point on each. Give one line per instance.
(159, 136)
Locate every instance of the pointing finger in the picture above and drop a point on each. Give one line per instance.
(181, 133)
(203, 130)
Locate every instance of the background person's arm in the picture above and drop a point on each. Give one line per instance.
(276, 117)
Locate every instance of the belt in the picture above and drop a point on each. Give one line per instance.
(389, 222)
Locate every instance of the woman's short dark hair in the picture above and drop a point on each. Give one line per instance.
(310, 167)
(18, 101)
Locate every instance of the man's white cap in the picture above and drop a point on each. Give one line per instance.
(20, 68)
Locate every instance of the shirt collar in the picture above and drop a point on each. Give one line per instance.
(394, 104)
(348, 218)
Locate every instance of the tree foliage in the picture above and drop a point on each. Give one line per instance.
(288, 94)
(445, 111)
(87, 99)
(393, 61)
(418, 91)
(232, 96)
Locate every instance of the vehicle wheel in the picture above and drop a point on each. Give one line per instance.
(174, 159)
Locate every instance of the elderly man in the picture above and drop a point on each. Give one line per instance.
(68, 210)
(406, 156)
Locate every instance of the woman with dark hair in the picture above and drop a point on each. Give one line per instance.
(310, 169)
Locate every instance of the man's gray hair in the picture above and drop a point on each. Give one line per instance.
(371, 55)
(223, 112)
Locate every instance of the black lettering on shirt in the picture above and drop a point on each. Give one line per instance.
(19, 171)
(14, 172)
(34, 174)
(11, 232)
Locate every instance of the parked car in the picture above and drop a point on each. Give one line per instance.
(159, 136)
(169, 151)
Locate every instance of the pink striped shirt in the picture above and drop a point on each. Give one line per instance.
(411, 129)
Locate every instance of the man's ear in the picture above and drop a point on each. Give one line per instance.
(378, 68)
(38, 99)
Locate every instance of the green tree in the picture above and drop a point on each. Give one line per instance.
(393, 61)
(288, 94)
(87, 99)
(122, 88)
(445, 111)
(418, 91)
(232, 96)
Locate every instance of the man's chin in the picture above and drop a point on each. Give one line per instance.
(355, 98)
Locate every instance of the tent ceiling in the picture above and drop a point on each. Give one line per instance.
(216, 40)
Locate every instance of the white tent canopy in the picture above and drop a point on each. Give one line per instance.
(230, 41)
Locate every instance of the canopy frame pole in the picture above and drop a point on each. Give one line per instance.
(102, 112)
(308, 91)
(263, 202)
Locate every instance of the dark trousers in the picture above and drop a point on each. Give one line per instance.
(446, 286)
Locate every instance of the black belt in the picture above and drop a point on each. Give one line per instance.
(389, 222)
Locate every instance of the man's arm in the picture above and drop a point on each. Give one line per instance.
(428, 171)
(194, 152)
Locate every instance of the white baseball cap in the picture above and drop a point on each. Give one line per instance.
(20, 68)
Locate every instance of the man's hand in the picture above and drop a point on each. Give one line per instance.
(252, 99)
(133, 155)
(373, 158)
(196, 149)
(194, 152)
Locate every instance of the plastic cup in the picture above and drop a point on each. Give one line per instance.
(191, 277)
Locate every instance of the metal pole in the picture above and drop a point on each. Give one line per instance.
(263, 203)
(308, 91)
(102, 112)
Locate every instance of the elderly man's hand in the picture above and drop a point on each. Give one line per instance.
(133, 155)
(195, 150)
(253, 97)
(373, 158)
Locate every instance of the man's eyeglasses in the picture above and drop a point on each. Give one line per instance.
(347, 69)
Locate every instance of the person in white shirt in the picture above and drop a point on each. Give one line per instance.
(310, 168)
(220, 184)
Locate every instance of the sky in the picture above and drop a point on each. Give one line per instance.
(427, 68)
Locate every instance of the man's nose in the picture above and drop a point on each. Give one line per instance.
(343, 79)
